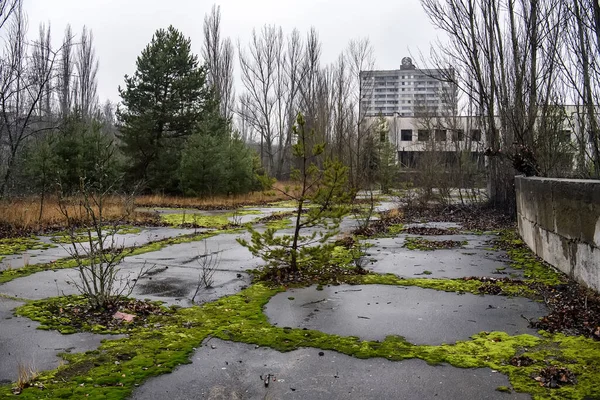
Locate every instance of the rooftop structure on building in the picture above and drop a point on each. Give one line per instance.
(407, 92)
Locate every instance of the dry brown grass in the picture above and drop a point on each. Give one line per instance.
(25, 375)
(215, 202)
(22, 216)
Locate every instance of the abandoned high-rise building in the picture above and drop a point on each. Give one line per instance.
(407, 92)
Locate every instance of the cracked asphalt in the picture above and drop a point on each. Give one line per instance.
(228, 370)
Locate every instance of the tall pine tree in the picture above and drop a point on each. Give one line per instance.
(163, 103)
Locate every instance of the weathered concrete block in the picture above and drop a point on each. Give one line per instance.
(587, 266)
(559, 219)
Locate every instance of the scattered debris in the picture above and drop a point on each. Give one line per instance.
(428, 231)
(266, 379)
(419, 243)
(554, 377)
(471, 218)
(521, 361)
(575, 310)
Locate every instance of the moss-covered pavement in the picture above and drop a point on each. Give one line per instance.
(163, 342)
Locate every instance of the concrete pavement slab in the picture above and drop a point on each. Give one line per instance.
(421, 316)
(476, 258)
(21, 343)
(227, 370)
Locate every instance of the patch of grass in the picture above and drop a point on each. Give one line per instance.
(149, 351)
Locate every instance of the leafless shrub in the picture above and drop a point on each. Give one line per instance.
(364, 215)
(208, 261)
(99, 256)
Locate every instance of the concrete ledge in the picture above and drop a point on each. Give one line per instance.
(559, 219)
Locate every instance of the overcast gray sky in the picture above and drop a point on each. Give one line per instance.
(122, 28)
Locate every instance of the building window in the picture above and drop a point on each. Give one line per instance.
(406, 135)
(476, 135)
(458, 135)
(423, 135)
(440, 135)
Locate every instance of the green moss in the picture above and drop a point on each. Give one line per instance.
(207, 221)
(80, 235)
(521, 257)
(447, 285)
(49, 313)
(279, 224)
(10, 246)
(395, 229)
(66, 239)
(240, 318)
(242, 211)
(196, 219)
(128, 230)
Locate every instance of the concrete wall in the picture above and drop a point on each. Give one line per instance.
(559, 219)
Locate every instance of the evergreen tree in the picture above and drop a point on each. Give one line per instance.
(164, 103)
(217, 162)
(325, 189)
(80, 149)
(387, 169)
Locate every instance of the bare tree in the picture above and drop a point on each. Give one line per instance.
(7, 7)
(360, 58)
(86, 65)
(21, 92)
(65, 73)
(218, 55)
(41, 59)
(581, 70)
(259, 73)
(505, 58)
(291, 73)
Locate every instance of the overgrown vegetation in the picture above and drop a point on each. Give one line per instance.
(320, 183)
(240, 318)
